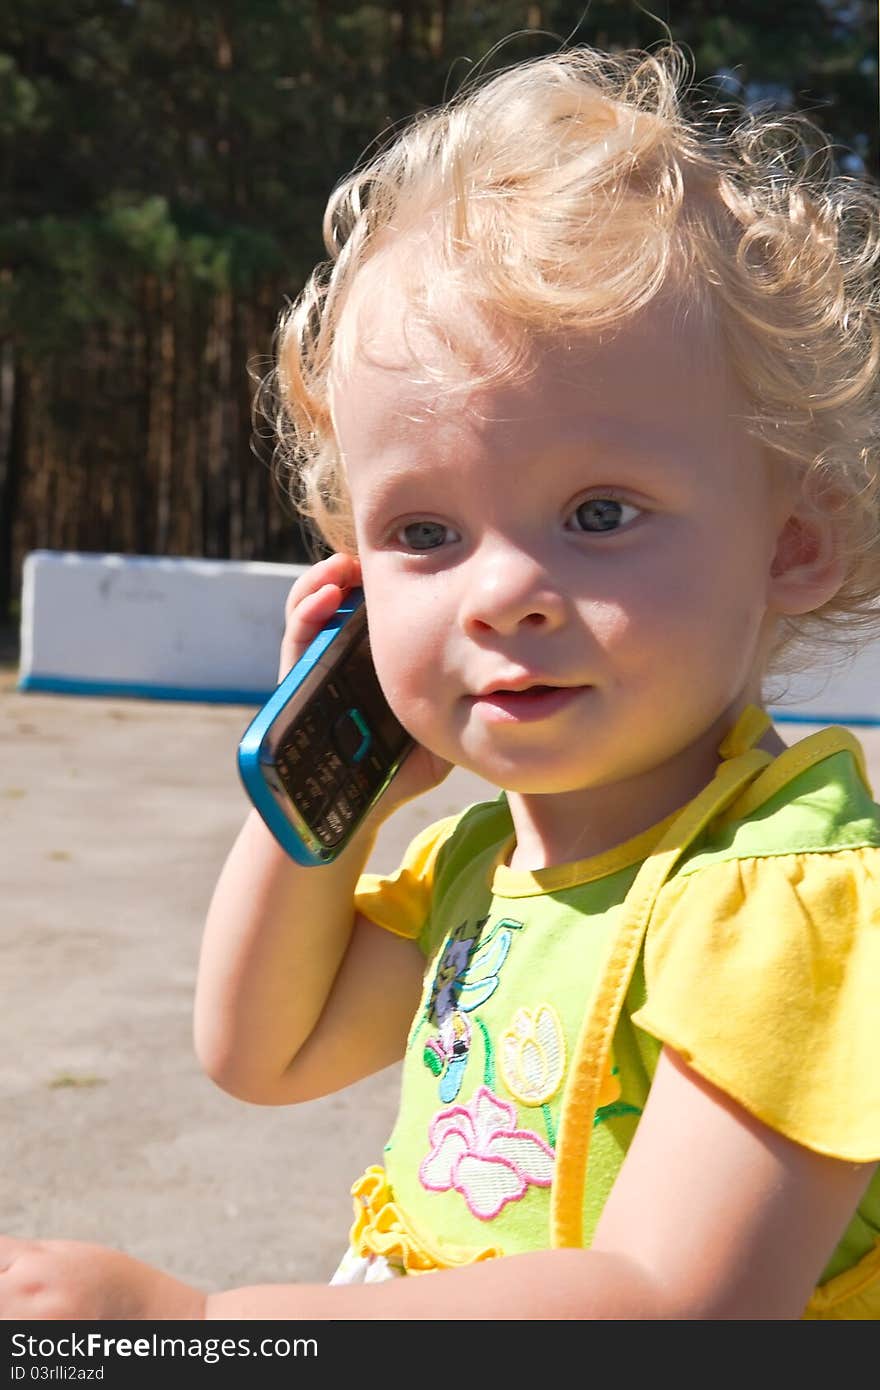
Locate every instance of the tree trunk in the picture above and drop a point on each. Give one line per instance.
(15, 399)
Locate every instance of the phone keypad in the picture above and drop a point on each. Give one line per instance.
(331, 763)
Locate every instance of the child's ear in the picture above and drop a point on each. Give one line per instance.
(807, 568)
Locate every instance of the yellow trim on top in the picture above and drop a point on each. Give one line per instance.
(798, 1134)
(752, 724)
(854, 1294)
(790, 764)
(592, 1051)
(593, 1048)
(525, 883)
(380, 1228)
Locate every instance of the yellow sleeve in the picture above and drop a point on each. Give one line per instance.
(400, 902)
(764, 974)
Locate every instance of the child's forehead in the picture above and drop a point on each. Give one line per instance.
(405, 365)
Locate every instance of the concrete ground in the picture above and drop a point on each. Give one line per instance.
(114, 819)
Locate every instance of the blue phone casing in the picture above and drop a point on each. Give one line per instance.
(256, 763)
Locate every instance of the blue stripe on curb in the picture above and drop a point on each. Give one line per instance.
(61, 685)
(865, 721)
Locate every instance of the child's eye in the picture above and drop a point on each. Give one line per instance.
(426, 535)
(602, 514)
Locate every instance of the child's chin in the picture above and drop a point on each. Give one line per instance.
(535, 780)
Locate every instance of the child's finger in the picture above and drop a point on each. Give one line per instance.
(304, 623)
(312, 611)
(342, 570)
(305, 619)
(312, 601)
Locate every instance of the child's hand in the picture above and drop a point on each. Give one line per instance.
(312, 601)
(67, 1280)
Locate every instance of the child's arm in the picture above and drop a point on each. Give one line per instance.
(289, 975)
(713, 1216)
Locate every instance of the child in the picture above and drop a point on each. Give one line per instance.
(587, 401)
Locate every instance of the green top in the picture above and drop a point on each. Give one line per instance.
(768, 929)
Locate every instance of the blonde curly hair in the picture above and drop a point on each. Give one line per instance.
(564, 194)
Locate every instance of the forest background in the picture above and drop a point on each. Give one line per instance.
(164, 166)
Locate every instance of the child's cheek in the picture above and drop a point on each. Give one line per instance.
(404, 673)
(610, 622)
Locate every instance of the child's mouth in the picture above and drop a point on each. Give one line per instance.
(535, 702)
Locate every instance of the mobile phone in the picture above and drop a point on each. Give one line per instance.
(325, 745)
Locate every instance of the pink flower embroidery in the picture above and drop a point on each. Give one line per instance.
(477, 1150)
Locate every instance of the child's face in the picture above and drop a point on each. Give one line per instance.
(568, 579)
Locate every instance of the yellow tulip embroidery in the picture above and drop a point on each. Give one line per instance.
(532, 1055)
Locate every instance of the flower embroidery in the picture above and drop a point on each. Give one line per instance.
(532, 1055)
(446, 1053)
(452, 969)
(467, 975)
(477, 1150)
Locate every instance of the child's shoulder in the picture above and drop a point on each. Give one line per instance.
(815, 798)
(402, 901)
(796, 856)
(760, 958)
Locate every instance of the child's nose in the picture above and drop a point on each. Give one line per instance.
(507, 590)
